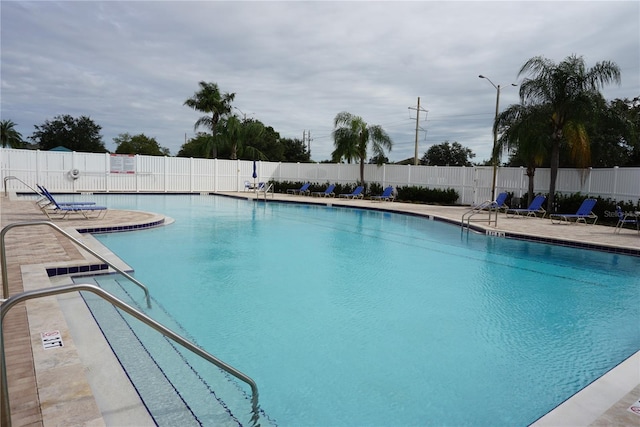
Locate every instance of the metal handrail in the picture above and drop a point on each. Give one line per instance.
(265, 191)
(7, 178)
(5, 274)
(484, 207)
(6, 306)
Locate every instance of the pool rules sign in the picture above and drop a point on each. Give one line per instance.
(51, 339)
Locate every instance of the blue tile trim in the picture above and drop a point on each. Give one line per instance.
(61, 271)
(119, 228)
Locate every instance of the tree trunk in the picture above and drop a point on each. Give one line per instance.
(554, 163)
(362, 171)
(531, 173)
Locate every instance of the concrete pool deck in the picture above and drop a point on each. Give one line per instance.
(65, 386)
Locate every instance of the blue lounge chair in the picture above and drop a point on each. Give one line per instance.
(326, 193)
(582, 215)
(55, 208)
(533, 210)
(355, 194)
(47, 199)
(300, 191)
(623, 219)
(387, 195)
(499, 203)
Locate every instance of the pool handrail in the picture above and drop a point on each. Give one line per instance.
(3, 256)
(265, 190)
(488, 206)
(7, 178)
(5, 306)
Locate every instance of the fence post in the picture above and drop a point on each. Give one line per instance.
(614, 190)
(38, 179)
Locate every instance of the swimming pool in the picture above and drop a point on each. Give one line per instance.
(354, 317)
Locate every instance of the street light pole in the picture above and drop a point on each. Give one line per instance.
(494, 154)
(244, 119)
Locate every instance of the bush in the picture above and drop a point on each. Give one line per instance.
(427, 195)
(405, 194)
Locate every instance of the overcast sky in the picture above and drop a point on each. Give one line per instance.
(130, 66)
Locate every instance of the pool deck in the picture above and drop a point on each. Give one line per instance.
(65, 385)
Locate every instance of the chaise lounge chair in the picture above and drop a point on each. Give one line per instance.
(582, 215)
(326, 193)
(86, 210)
(499, 203)
(387, 195)
(626, 219)
(355, 194)
(300, 191)
(534, 208)
(47, 199)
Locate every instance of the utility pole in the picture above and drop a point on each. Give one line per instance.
(418, 109)
(306, 140)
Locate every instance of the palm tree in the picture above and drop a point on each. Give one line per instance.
(568, 89)
(238, 135)
(209, 100)
(9, 135)
(351, 136)
(524, 131)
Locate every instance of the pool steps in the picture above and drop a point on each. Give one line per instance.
(184, 389)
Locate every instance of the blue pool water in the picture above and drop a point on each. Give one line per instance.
(364, 318)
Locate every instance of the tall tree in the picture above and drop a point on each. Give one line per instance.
(446, 154)
(569, 90)
(139, 144)
(9, 135)
(80, 134)
(295, 150)
(352, 135)
(524, 132)
(216, 105)
(239, 137)
(615, 136)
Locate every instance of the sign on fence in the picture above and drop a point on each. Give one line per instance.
(123, 163)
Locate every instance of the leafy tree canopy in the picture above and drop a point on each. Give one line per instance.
(139, 144)
(76, 134)
(214, 104)
(446, 154)
(197, 147)
(294, 150)
(570, 94)
(9, 135)
(352, 137)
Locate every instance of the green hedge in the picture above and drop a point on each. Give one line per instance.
(405, 194)
(428, 195)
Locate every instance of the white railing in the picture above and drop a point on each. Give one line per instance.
(96, 173)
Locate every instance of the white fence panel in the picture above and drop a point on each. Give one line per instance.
(627, 184)
(202, 175)
(174, 174)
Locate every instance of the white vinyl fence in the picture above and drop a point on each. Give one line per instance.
(75, 172)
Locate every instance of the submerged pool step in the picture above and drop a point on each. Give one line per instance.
(162, 372)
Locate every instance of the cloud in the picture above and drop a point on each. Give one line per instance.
(294, 65)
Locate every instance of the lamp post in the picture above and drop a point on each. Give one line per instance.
(244, 115)
(494, 156)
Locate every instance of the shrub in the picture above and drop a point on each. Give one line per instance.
(428, 195)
